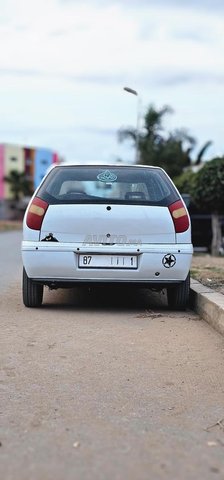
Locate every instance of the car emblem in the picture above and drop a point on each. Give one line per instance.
(169, 260)
(107, 176)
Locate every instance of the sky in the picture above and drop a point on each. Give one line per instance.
(64, 65)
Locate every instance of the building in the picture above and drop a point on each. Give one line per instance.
(34, 162)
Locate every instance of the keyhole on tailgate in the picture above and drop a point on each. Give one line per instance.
(108, 208)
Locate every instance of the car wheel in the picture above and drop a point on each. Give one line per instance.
(32, 292)
(178, 296)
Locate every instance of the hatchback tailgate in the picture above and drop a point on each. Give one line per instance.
(100, 223)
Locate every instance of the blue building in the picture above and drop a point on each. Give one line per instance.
(43, 159)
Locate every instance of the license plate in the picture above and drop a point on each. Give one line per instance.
(108, 261)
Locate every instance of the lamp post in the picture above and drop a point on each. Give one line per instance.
(134, 92)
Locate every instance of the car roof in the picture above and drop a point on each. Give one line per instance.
(104, 165)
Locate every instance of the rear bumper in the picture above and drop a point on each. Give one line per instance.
(51, 262)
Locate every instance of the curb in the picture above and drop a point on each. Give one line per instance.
(208, 304)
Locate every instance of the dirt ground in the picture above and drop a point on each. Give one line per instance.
(7, 225)
(108, 384)
(209, 270)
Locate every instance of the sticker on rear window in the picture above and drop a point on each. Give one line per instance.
(107, 176)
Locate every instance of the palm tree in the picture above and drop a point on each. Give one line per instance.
(202, 152)
(170, 151)
(19, 184)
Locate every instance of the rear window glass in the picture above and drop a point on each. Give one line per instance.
(97, 184)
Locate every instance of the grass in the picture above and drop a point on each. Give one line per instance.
(209, 271)
(8, 225)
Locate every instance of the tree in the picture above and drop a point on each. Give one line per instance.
(207, 194)
(171, 151)
(19, 184)
(185, 182)
(202, 152)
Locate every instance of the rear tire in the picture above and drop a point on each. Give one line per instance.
(32, 292)
(178, 295)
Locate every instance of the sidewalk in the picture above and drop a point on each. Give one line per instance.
(207, 297)
(209, 304)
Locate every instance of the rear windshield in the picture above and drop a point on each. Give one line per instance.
(97, 184)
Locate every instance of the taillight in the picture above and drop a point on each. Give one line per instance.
(179, 216)
(36, 212)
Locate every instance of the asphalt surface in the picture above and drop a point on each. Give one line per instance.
(106, 384)
(10, 258)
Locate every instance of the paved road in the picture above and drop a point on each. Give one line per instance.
(10, 258)
(106, 385)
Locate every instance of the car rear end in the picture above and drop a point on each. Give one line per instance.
(107, 224)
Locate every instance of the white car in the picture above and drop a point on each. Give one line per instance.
(97, 224)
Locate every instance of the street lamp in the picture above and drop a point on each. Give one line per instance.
(134, 92)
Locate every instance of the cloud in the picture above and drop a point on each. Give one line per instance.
(193, 4)
(153, 78)
(142, 4)
(22, 72)
(174, 79)
(110, 45)
(60, 32)
(98, 78)
(88, 78)
(147, 77)
(97, 130)
(64, 64)
(191, 35)
(65, 130)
